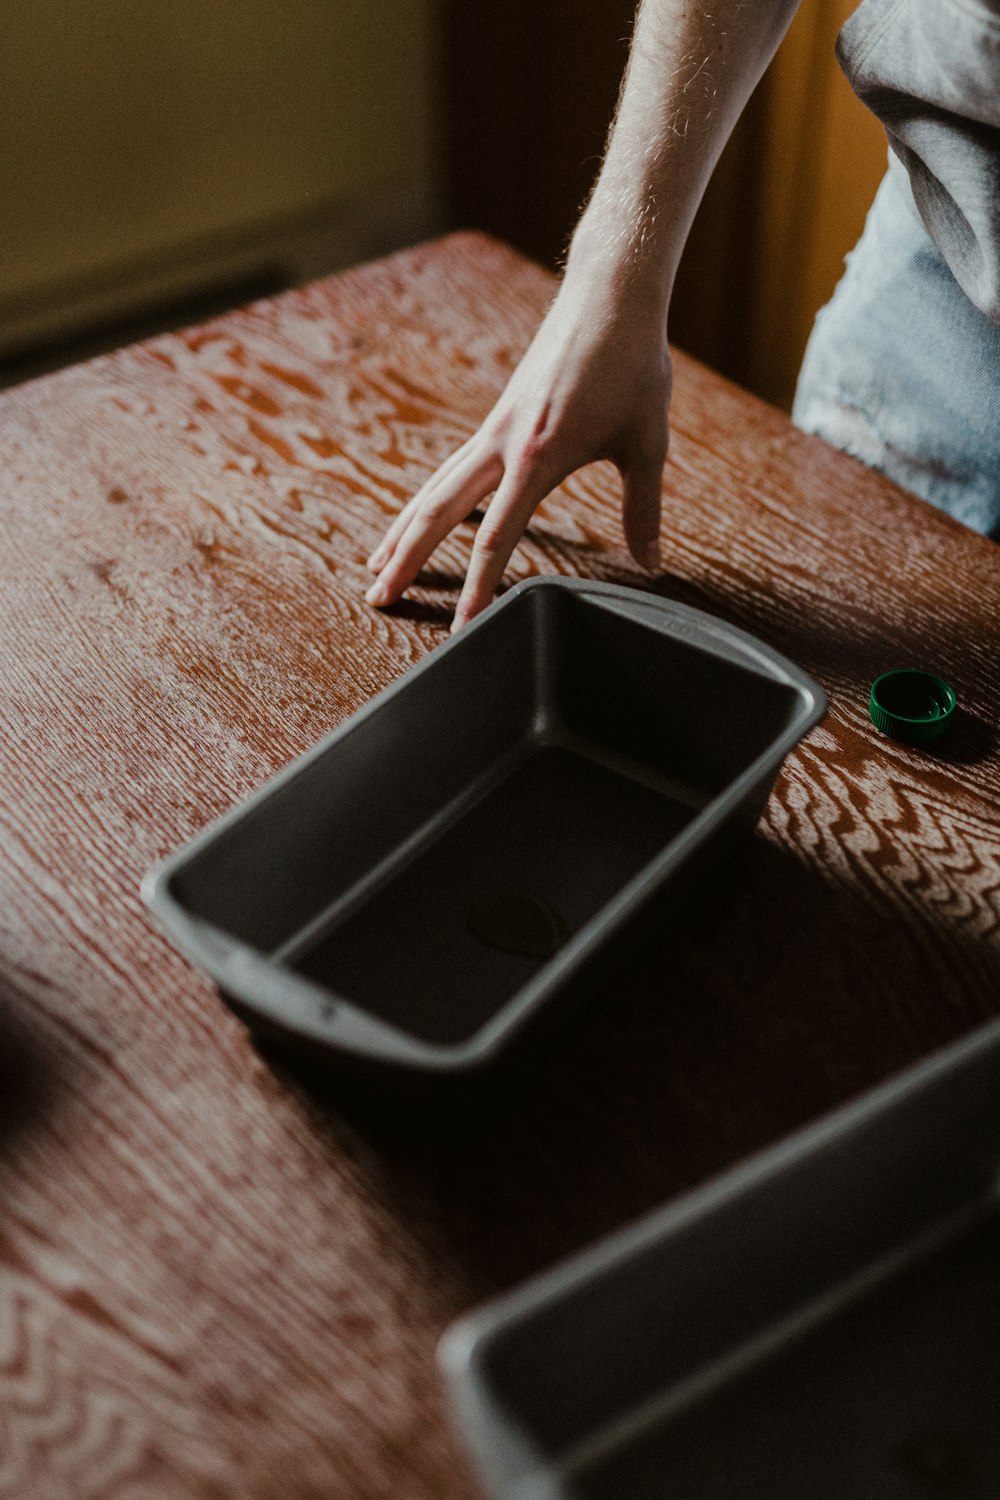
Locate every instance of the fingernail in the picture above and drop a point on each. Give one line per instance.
(651, 555)
(378, 593)
(376, 560)
(457, 623)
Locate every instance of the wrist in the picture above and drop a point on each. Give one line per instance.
(617, 263)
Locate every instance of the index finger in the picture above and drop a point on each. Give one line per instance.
(382, 553)
(441, 509)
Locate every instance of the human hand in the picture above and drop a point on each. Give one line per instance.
(594, 383)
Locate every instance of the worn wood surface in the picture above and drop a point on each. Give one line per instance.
(217, 1280)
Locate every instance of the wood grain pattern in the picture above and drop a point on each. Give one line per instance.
(217, 1280)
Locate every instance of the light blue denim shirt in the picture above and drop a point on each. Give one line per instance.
(930, 71)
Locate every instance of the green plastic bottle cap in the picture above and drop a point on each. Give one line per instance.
(911, 706)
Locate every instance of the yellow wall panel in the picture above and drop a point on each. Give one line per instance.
(131, 129)
(822, 159)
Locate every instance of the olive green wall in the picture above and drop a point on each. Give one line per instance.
(145, 145)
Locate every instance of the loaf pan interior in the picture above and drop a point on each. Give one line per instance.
(535, 767)
(825, 1323)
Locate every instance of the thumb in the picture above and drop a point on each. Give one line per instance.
(642, 499)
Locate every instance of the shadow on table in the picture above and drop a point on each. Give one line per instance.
(424, 612)
(710, 1045)
(25, 1075)
(858, 648)
(857, 652)
(969, 741)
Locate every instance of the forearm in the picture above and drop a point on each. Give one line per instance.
(692, 67)
(595, 382)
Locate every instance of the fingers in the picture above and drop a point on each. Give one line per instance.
(508, 515)
(642, 501)
(428, 519)
(565, 412)
(389, 542)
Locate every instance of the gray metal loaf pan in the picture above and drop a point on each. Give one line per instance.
(822, 1323)
(463, 857)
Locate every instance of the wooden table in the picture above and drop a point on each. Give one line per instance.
(216, 1280)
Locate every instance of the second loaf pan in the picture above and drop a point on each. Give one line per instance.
(822, 1322)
